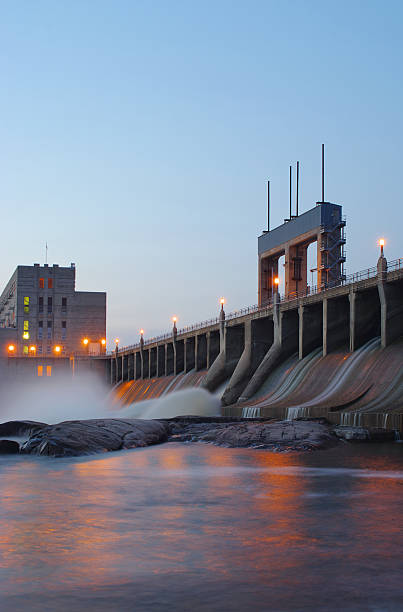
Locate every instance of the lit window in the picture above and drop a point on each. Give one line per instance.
(48, 370)
(26, 304)
(25, 336)
(50, 283)
(40, 370)
(41, 283)
(26, 325)
(25, 350)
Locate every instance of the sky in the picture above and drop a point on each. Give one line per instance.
(136, 139)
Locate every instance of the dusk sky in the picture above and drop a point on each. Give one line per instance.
(136, 138)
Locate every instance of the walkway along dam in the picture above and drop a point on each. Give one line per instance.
(334, 352)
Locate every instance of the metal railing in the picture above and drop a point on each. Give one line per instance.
(396, 264)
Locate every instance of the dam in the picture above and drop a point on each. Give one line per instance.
(333, 350)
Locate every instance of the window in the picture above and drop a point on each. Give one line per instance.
(40, 306)
(49, 330)
(48, 349)
(49, 305)
(25, 350)
(40, 370)
(26, 305)
(40, 349)
(25, 335)
(64, 304)
(26, 325)
(48, 370)
(64, 330)
(40, 330)
(50, 283)
(41, 283)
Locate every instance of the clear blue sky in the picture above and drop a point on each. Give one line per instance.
(137, 138)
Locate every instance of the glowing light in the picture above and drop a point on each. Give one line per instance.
(116, 340)
(103, 341)
(57, 349)
(11, 348)
(174, 319)
(222, 301)
(382, 242)
(25, 335)
(32, 349)
(277, 280)
(85, 341)
(141, 332)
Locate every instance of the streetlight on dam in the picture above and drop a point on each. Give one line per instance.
(116, 344)
(222, 302)
(382, 244)
(11, 349)
(58, 349)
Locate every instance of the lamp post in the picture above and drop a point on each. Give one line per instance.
(116, 345)
(57, 350)
(32, 350)
(382, 244)
(103, 345)
(86, 342)
(11, 349)
(174, 329)
(141, 338)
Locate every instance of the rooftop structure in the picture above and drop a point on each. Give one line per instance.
(323, 224)
(41, 313)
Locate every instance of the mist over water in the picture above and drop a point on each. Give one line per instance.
(85, 397)
(186, 402)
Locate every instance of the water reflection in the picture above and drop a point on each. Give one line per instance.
(203, 527)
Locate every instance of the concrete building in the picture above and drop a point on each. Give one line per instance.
(323, 224)
(41, 313)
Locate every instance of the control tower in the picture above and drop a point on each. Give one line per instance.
(323, 224)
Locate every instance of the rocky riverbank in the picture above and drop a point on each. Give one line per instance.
(75, 438)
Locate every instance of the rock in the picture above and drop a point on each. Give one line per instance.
(9, 447)
(277, 435)
(363, 434)
(74, 438)
(19, 428)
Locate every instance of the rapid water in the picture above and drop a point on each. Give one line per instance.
(197, 527)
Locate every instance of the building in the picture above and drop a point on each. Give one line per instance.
(41, 313)
(323, 224)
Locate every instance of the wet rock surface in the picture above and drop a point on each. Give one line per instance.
(297, 435)
(75, 438)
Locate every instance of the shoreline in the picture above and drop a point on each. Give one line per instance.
(86, 437)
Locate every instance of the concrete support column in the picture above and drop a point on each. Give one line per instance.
(324, 322)
(352, 299)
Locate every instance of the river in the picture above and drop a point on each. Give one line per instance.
(198, 527)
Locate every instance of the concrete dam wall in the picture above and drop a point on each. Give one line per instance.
(337, 353)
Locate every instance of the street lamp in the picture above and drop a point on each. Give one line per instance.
(382, 244)
(58, 349)
(32, 350)
(222, 302)
(11, 348)
(103, 342)
(116, 344)
(85, 341)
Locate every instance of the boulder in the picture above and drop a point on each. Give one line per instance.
(9, 447)
(74, 438)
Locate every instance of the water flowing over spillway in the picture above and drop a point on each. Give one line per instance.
(342, 385)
